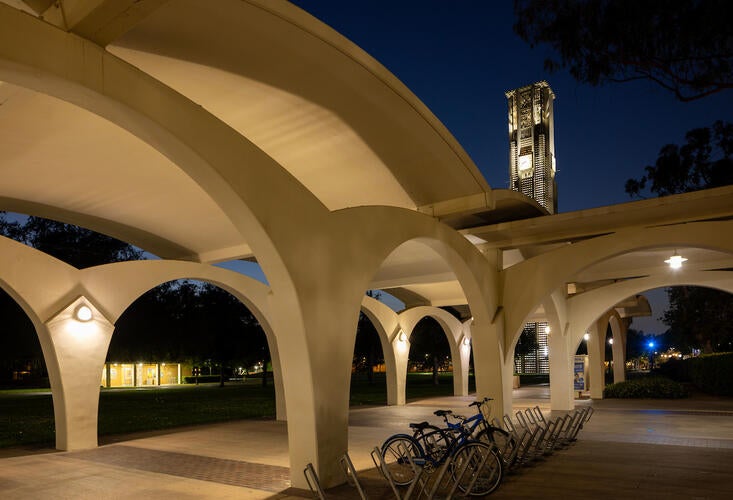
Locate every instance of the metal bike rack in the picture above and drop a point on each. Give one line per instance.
(313, 483)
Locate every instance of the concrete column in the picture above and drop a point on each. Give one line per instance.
(619, 330)
(461, 358)
(79, 349)
(562, 357)
(397, 377)
(596, 357)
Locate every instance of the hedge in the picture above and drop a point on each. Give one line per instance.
(649, 387)
(711, 373)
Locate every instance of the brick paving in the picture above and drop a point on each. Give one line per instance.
(224, 471)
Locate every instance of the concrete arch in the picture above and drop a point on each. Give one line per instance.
(455, 332)
(584, 308)
(230, 169)
(386, 322)
(134, 278)
(386, 228)
(549, 271)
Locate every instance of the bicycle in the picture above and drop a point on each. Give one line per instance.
(481, 429)
(476, 466)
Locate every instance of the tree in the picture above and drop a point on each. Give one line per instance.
(685, 46)
(367, 347)
(704, 161)
(429, 345)
(699, 318)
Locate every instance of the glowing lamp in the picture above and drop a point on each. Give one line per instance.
(675, 261)
(610, 341)
(586, 337)
(547, 330)
(651, 345)
(466, 341)
(83, 313)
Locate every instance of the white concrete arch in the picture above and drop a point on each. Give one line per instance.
(549, 271)
(386, 323)
(134, 278)
(587, 307)
(233, 172)
(387, 228)
(455, 333)
(48, 290)
(619, 329)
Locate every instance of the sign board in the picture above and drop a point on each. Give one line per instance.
(579, 376)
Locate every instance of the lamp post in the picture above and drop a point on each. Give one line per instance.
(651, 354)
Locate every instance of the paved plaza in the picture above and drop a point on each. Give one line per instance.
(629, 449)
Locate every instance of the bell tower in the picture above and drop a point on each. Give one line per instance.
(532, 143)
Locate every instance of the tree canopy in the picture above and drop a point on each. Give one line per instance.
(704, 161)
(685, 46)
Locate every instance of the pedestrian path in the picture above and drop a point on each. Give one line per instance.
(642, 448)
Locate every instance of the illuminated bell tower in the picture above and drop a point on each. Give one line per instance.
(532, 143)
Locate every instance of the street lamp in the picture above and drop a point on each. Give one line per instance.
(651, 345)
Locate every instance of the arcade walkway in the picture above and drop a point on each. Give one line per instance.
(645, 449)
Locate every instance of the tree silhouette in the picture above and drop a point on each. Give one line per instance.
(685, 46)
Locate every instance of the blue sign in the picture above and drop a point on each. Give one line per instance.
(579, 373)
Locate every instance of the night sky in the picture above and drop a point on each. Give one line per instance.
(460, 56)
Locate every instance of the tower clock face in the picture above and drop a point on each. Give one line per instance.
(525, 163)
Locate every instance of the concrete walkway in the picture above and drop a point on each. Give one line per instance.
(630, 448)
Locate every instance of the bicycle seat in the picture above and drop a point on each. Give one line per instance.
(419, 426)
(442, 413)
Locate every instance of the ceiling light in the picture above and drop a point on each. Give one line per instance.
(675, 261)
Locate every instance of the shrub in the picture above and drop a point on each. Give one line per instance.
(712, 373)
(650, 387)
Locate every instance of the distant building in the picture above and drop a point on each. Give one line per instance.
(143, 374)
(532, 143)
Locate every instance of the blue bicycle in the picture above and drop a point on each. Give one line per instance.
(479, 462)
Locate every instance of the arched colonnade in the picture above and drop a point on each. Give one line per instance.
(309, 312)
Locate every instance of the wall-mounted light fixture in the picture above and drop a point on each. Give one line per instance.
(466, 341)
(548, 330)
(402, 337)
(675, 261)
(83, 313)
(586, 337)
(610, 341)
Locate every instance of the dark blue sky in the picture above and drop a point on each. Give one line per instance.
(460, 56)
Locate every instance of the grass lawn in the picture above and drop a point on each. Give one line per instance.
(26, 417)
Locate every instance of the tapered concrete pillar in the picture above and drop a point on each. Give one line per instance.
(561, 372)
(619, 328)
(461, 355)
(79, 341)
(400, 346)
(596, 357)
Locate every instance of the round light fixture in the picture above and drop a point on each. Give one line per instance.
(402, 337)
(548, 330)
(586, 337)
(83, 313)
(610, 341)
(675, 261)
(466, 341)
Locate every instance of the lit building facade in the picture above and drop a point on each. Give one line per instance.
(532, 143)
(143, 374)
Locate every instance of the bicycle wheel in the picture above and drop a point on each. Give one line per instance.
(503, 441)
(434, 442)
(395, 451)
(477, 468)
